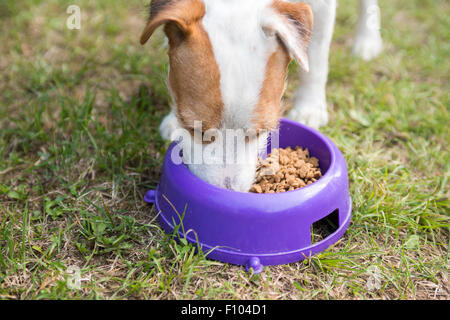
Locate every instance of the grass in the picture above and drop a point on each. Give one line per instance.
(79, 111)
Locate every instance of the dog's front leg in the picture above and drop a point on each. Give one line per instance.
(368, 43)
(310, 105)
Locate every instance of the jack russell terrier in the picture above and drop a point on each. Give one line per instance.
(228, 67)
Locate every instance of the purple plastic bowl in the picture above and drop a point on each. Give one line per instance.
(253, 229)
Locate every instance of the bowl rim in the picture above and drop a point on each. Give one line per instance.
(331, 149)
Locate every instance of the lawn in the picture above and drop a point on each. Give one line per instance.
(79, 146)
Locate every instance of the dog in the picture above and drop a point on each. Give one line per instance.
(228, 68)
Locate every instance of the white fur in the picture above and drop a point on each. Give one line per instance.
(236, 173)
(168, 126)
(368, 43)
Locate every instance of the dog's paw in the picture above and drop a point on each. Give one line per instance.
(314, 115)
(368, 47)
(169, 126)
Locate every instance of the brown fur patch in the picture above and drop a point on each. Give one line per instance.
(267, 112)
(194, 76)
(300, 14)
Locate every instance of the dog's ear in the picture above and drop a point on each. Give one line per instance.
(292, 23)
(179, 13)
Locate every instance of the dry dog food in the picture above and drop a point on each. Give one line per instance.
(295, 170)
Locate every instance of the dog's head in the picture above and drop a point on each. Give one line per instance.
(228, 65)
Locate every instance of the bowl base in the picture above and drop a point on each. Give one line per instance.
(256, 261)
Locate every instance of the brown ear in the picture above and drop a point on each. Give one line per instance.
(293, 23)
(180, 12)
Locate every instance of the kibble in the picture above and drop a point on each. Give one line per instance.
(296, 169)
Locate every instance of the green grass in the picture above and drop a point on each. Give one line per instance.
(79, 112)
